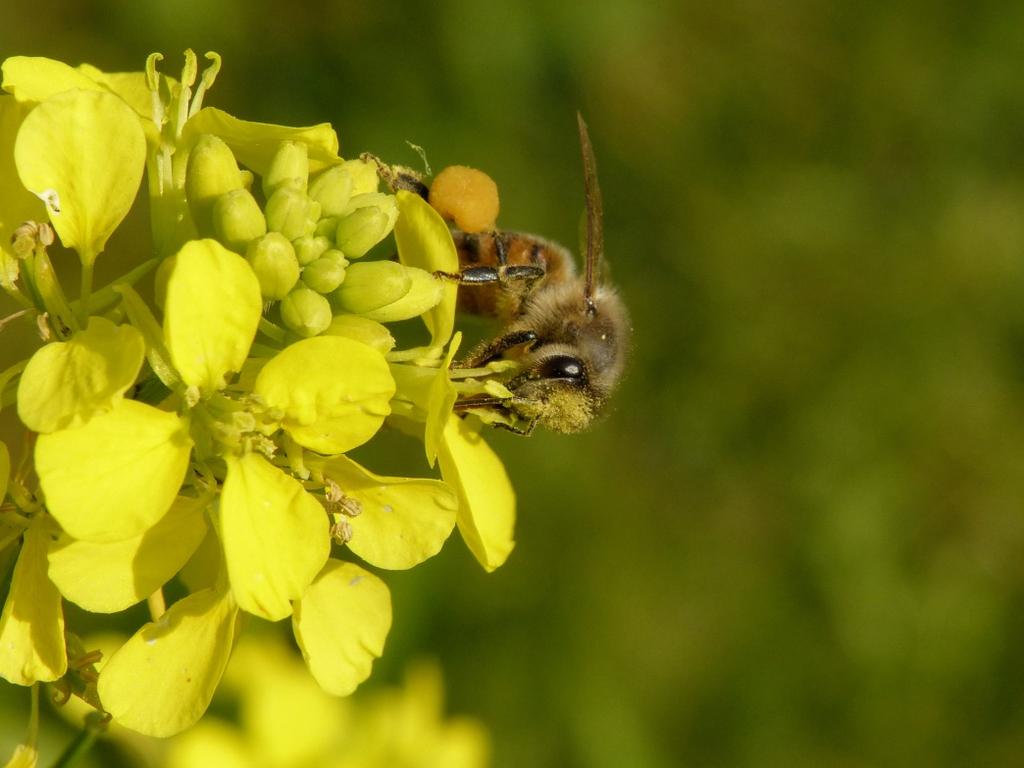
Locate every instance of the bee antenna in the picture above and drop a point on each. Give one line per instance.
(595, 216)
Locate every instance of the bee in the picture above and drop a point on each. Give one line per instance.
(567, 333)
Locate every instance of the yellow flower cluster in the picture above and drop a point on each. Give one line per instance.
(272, 715)
(202, 440)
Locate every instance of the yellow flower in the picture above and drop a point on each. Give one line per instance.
(209, 443)
(286, 721)
(330, 393)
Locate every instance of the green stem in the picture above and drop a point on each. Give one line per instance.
(19, 297)
(82, 743)
(108, 295)
(85, 293)
(47, 287)
(157, 605)
(33, 718)
(272, 331)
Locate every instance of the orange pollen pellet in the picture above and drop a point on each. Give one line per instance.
(466, 196)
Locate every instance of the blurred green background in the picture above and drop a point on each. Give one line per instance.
(797, 537)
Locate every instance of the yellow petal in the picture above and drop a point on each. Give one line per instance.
(210, 743)
(424, 241)
(289, 719)
(212, 309)
(161, 681)
(32, 624)
(403, 521)
(17, 204)
(130, 86)
(67, 382)
(254, 144)
(341, 624)
(440, 403)
(116, 475)
(35, 78)
(25, 756)
(333, 391)
(82, 153)
(275, 535)
(206, 567)
(430, 392)
(487, 503)
(109, 577)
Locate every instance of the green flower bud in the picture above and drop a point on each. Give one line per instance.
(291, 213)
(371, 285)
(326, 227)
(306, 312)
(309, 248)
(364, 176)
(424, 293)
(211, 171)
(367, 220)
(326, 273)
(369, 332)
(332, 189)
(273, 260)
(289, 167)
(238, 220)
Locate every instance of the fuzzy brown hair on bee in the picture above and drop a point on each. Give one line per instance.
(568, 335)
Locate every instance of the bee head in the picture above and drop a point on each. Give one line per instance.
(561, 404)
(567, 377)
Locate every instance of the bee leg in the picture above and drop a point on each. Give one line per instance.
(503, 275)
(397, 177)
(521, 431)
(500, 247)
(496, 404)
(492, 350)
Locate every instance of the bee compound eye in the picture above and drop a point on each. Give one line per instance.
(563, 367)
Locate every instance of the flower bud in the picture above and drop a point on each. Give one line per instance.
(370, 285)
(291, 213)
(367, 220)
(364, 176)
(289, 167)
(370, 332)
(306, 312)
(424, 292)
(211, 171)
(238, 220)
(326, 227)
(273, 260)
(332, 189)
(326, 273)
(309, 248)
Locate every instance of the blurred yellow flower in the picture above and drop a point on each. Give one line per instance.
(287, 721)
